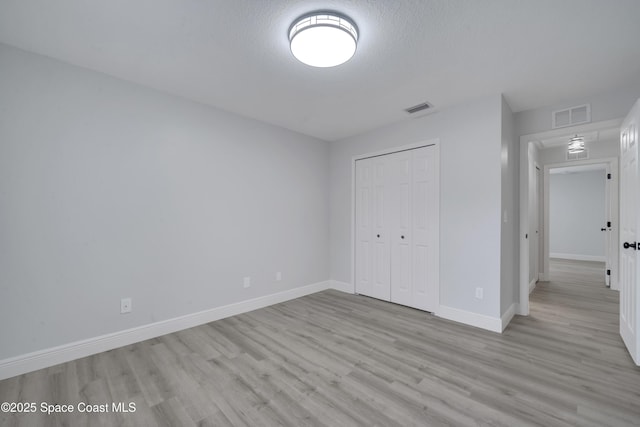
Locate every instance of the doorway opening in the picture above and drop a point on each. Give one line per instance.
(580, 217)
(539, 154)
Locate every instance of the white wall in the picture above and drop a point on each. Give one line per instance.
(470, 198)
(604, 106)
(597, 150)
(109, 190)
(576, 214)
(510, 247)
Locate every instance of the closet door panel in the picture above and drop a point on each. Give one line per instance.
(397, 227)
(381, 207)
(401, 210)
(425, 230)
(364, 227)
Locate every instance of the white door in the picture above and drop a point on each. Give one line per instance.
(539, 223)
(397, 227)
(401, 225)
(426, 229)
(607, 228)
(629, 187)
(382, 169)
(364, 227)
(415, 228)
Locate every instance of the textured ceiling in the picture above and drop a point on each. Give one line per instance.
(234, 54)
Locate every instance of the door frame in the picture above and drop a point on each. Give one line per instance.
(525, 142)
(611, 195)
(541, 224)
(426, 143)
(538, 177)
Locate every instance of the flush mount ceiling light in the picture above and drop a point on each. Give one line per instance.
(323, 39)
(576, 144)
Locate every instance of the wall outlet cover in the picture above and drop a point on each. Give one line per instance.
(125, 305)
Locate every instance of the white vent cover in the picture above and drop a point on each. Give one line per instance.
(583, 155)
(571, 116)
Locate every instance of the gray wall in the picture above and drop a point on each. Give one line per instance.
(110, 190)
(604, 106)
(576, 213)
(470, 198)
(510, 228)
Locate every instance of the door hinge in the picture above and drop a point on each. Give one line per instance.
(608, 272)
(608, 176)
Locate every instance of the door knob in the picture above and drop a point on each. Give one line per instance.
(402, 237)
(378, 236)
(628, 245)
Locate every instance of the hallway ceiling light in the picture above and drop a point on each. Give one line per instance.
(323, 39)
(576, 144)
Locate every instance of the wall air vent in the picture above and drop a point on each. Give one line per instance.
(419, 107)
(583, 155)
(571, 116)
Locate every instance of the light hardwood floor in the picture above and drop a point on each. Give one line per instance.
(338, 360)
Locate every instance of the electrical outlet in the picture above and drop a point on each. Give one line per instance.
(247, 282)
(278, 276)
(479, 293)
(125, 306)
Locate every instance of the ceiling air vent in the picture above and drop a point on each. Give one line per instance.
(419, 107)
(571, 116)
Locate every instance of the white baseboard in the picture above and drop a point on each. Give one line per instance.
(64, 353)
(519, 311)
(489, 323)
(532, 285)
(341, 286)
(615, 286)
(578, 257)
(508, 315)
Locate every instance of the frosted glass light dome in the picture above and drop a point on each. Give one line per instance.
(323, 39)
(576, 144)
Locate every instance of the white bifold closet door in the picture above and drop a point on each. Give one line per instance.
(397, 227)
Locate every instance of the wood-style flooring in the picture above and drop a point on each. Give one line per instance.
(338, 360)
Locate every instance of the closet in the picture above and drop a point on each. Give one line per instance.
(397, 227)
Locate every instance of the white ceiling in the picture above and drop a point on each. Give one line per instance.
(234, 54)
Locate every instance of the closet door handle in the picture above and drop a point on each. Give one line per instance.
(378, 236)
(402, 237)
(628, 245)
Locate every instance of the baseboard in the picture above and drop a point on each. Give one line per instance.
(532, 285)
(578, 257)
(508, 315)
(489, 323)
(49, 357)
(341, 286)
